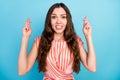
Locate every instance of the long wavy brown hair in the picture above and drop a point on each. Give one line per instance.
(47, 37)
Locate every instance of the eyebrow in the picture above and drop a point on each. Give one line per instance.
(55, 14)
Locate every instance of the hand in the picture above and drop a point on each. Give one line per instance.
(27, 29)
(87, 29)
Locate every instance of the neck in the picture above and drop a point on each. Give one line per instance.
(58, 36)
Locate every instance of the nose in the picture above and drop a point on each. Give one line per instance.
(58, 20)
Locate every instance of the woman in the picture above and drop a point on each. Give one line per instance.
(58, 50)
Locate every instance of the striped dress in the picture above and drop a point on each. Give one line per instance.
(59, 62)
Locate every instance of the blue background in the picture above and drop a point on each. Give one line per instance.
(103, 15)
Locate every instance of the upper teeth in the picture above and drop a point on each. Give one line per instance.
(58, 26)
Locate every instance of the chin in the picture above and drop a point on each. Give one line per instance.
(59, 32)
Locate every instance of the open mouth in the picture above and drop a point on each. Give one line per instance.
(58, 27)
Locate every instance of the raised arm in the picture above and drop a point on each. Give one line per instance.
(88, 58)
(25, 62)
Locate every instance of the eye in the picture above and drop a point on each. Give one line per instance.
(53, 17)
(63, 17)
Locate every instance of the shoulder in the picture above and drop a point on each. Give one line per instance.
(37, 40)
(79, 40)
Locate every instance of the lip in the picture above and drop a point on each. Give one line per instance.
(58, 27)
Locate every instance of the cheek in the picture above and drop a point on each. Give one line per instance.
(65, 22)
(53, 22)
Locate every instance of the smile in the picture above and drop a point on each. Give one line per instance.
(58, 27)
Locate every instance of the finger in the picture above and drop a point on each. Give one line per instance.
(85, 20)
(86, 27)
(84, 24)
(26, 28)
(28, 23)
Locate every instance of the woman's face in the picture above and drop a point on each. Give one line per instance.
(58, 20)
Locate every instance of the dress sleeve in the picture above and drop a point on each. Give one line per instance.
(37, 41)
(80, 42)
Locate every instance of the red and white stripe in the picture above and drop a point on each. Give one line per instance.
(59, 61)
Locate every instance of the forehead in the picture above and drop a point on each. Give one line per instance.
(59, 10)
